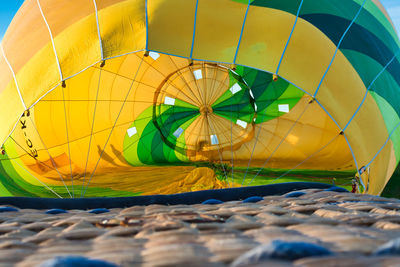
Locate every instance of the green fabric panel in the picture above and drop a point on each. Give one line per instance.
(5, 181)
(266, 92)
(322, 14)
(371, 18)
(130, 146)
(148, 145)
(171, 120)
(181, 103)
(181, 140)
(380, 16)
(146, 142)
(287, 6)
(384, 85)
(391, 121)
(370, 22)
(290, 96)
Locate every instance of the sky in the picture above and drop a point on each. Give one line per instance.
(8, 8)
(393, 8)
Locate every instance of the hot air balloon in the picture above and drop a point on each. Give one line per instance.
(136, 97)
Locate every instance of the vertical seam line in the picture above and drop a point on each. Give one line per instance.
(290, 37)
(338, 46)
(52, 40)
(14, 76)
(384, 144)
(194, 28)
(98, 29)
(241, 32)
(147, 25)
(369, 87)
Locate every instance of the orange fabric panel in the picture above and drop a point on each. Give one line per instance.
(21, 33)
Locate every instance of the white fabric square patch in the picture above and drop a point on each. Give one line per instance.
(283, 108)
(242, 124)
(178, 132)
(235, 88)
(132, 131)
(214, 139)
(198, 74)
(154, 55)
(169, 101)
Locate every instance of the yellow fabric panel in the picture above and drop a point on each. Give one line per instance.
(335, 95)
(80, 94)
(381, 169)
(313, 130)
(73, 54)
(366, 143)
(171, 26)
(306, 59)
(27, 143)
(101, 4)
(50, 119)
(10, 99)
(125, 32)
(6, 74)
(263, 38)
(391, 165)
(21, 33)
(39, 75)
(19, 168)
(62, 14)
(10, 103)
(224, 33)
(28, 140)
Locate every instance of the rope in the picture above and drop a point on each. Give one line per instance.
(219, 152)
(52, 41)
(290, 37)
(51, 158)
(194, 28)
(241, 32)
(302, 162)
(254, 147)
(98, 29)
(383, 146)
(147, 26)
(369, 87)
(14, 76)
(276, 148)
(45, 185)
(353, 155)
(251, 157)
(69, 150)
(115, 123)
(233, 181)
(337, 47)
(91, 131)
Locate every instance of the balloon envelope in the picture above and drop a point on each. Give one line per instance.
(135, 97)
